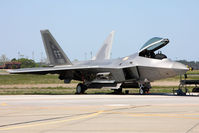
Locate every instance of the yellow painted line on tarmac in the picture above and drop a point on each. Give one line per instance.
(162, 115)
(52, 122)
(187, 116)
(3, 104)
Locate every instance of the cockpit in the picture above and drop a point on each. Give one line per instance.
(149, 48)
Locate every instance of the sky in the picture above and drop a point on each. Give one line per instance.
(81, 26)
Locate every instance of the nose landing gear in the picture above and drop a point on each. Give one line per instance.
(143, 91)
(144, 88)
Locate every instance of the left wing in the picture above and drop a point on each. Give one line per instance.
(45, 70)
(56, 69)
(77, 72)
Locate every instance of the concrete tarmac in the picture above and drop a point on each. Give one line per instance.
(99, 114)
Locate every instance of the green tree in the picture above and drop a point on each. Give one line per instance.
(27, 63)
(14, 59)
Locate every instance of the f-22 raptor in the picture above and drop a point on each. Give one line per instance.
(136, 70)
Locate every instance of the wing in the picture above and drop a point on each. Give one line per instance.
(90, 73)
(52, 70)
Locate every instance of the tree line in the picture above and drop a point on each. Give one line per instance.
(193, 64)
(25, 62)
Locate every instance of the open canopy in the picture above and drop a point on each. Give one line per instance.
(154, 44)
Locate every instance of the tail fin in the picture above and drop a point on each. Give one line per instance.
(54, 52)
(105, 50)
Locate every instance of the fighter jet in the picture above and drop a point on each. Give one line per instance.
(133, 71)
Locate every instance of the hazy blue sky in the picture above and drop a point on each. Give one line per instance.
(81, 26)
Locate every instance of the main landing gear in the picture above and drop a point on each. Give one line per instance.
(81, 88)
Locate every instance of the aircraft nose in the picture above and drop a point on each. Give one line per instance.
(179, 68)
(166, 40)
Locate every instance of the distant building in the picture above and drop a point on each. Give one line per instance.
(11, 65)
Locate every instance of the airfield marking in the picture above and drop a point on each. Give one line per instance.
(58, 121)
(116, 105)
(53, 122)
(187, 116)
(3, 104)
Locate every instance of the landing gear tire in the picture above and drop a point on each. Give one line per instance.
(143, 91)
(81, 88)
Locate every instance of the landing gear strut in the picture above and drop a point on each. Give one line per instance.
(81, 88)
(118, 91)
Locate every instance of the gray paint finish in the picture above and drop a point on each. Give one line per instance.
(54, 52)
(132, 68)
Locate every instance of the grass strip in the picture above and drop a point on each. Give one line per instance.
(67, 91)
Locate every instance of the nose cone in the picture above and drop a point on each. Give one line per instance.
(166, 40)
(179, 68)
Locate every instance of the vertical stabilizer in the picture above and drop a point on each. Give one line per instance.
(105, 50)
(54, 52)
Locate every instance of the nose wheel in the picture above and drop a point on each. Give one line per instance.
(144, 89)
(81, 88)
(141, 91)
